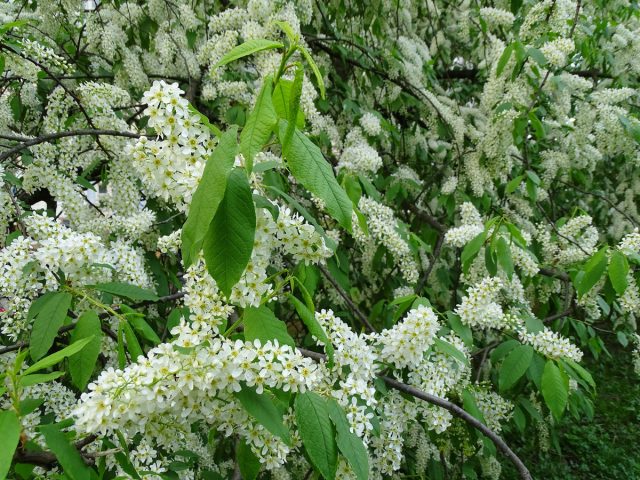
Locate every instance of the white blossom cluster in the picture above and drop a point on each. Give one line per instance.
(551, 344)
(383, 229)
(471, 226)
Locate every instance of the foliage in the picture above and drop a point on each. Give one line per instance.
(285, 239)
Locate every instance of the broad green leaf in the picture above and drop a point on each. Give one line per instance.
(83, 363)
(315, 69)
(9, 437)
(308, 166)
(229, 241)
(504, 256)
(247, 48)
(58, 356)
(294, 106)
(584, 374)
(618, 270)
(504, 58)
(260, 323)
(593, 270)
(209, 194)
(317, 433)
(259, 127)
(133, 346)
(127, 290)
(555, 388)
(471, 249)
(248, 463)
(514, 366)
(144, 330)
(281, 98)
(37, 378)
(68, 456)
(48, 320)
(470, 405)
(513, 184)
(262, 407)
(349, 444)
(315, 329)
(446, 347)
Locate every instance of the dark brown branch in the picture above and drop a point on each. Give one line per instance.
(350, 303)
(26, 143)
(47, 459)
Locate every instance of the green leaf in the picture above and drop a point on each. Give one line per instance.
(259, 127)
(618, 270)
(260, 323)
(247, 48)
(135, 350)
(317, 433)
(68, 456)
(281, 98)
(537, 56)
(349, 444)
(52, 310)
(314, 68)
(514, 366)
(450, 350)
(36, 378)
(83, 363)
(209, 194)
(288, 31)
(127, 290)
(294, 107)
(229, 241)
(262, 407)
(513, 184)
(308, 166)
(58, 356)
(248, 463)
(593, 270)
(504, 256)
(471, 249)
(315, 329)
(10, 436)
(470, 405)
(503, 60)
(537, 125)
(555, 389)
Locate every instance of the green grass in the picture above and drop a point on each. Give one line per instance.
(606, 447)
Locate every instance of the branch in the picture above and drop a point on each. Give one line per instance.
(26, 142)
(354, 308)
(47, 459)
(451, 407)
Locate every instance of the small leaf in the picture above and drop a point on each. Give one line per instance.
(504, 256)
(471, 249)
(315, 329)
(263, 408)
(314, 68)
(349, 444)
(247, 48)
(593, 270)
(52, 310)
(555, 389)
(248, 463)
(229, 242)
(133, 346)
(259, 126)
(36, 378)
(127, 290)
(537, 125)
(260, 323)
(58, 356)
(10, 436)
(317, 433)
(68, 456)
(281, 97)
(450, 350)
(83, 363)
(209, 194)
(538, 56)
(309, 167)
(514, 366)
(294, 107)
(470, 405)
(504, 58)
(618, 270)
(513, 184)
